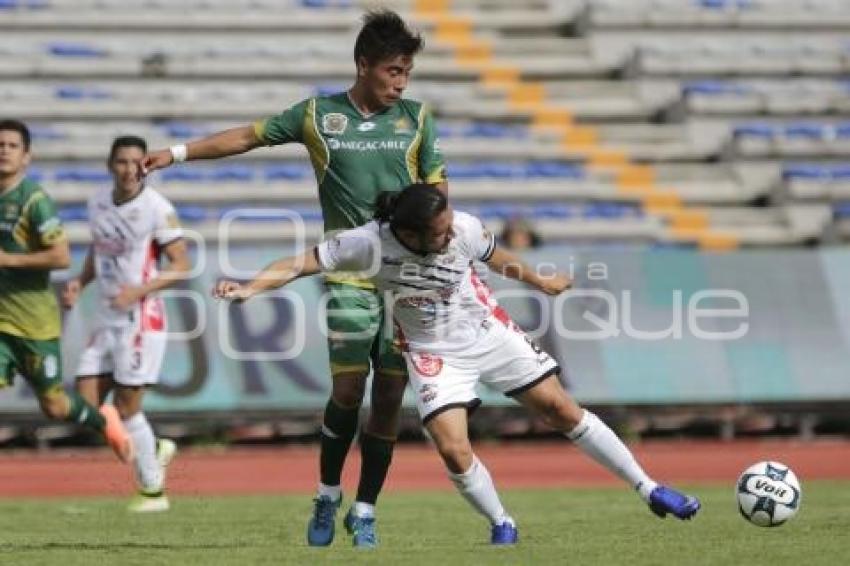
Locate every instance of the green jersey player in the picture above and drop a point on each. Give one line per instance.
(361, 142)
(32, 243)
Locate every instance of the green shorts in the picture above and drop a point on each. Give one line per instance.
(358, 334)
(39, 361)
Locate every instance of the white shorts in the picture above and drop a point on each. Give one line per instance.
(504, 358)
(133, 357)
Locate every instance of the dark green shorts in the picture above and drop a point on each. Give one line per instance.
(358, 334)
(39, 361)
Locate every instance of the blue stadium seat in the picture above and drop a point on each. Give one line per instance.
(74, 92)
(554, 169)
(841, 209)
(82, 175)
(40, 132)
(840, 172)
(286, 172)
(184, 130)
(73, 213)
(227, 173)
(67, 49)
(610, 210)
(807, 130)
(182, 175)
(842, 130)
(555, 210)
(465, 171)
(755, 130)
(36, 174)
(808, 171)
(328, 90)
(719, 88)
(326, 3)
(191, 213)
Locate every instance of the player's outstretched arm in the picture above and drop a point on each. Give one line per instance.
(221, 144)
(510, 265)
(57, 256)
(75, 285)
(276, 274)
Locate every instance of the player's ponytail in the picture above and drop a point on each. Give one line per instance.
(411, 209)
(385, 205)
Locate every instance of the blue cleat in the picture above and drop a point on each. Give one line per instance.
(320, 529)
(362, 530)
(506, 533)
(665, 500)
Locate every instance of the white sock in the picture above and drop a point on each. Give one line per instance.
(148, 470)
(332, 491)
(476, 486)
(363, 510)
(595, 439)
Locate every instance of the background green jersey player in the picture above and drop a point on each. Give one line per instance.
(32, 242)
(361, 142)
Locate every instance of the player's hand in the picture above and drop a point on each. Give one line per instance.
(159, 159)
(127, 297)
(556, 284)
(232, 291)
(70, 293)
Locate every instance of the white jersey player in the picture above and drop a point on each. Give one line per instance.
(454, 334)
(132, 226)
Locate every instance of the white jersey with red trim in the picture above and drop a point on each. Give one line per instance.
(438, 302)
(126, 242)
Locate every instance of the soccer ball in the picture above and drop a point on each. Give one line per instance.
(768, 494)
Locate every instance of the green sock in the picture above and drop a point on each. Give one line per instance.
(338, 430)
(82, 413)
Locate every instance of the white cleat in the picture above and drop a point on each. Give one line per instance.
(145, 503)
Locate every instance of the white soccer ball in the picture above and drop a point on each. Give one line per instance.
(768, 494)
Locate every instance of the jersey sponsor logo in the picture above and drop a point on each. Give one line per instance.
(427, 365)
(11, 211)
(364, 146)
(334, 123)
(366, 127)
(436, 146)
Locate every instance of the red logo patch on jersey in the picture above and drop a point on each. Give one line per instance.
(427, 365)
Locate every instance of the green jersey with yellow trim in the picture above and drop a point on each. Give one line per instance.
(28, 223)
(356, 156)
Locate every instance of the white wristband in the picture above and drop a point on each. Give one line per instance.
(179, 152)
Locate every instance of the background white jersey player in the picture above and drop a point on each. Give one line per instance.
(132, 226)
(454, 334)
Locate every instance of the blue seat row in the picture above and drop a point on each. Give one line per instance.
(797, 130)
(841, 210)
(490, 211)
(72, 49)
(326, 3)
(817, 171)
(529, 170)
(23, 4)
(716, 88)
(73, 92)
(238, 173)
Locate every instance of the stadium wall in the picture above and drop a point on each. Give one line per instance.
(652, 327)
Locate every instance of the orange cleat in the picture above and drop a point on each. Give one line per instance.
(116, 435)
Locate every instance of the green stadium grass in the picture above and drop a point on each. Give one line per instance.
(575, 526)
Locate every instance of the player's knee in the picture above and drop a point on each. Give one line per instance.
(457, 454)
(348, 391)
(560, 414)
(53, 406)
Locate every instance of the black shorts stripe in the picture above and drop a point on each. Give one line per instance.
(470, 407)
(523, 388)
